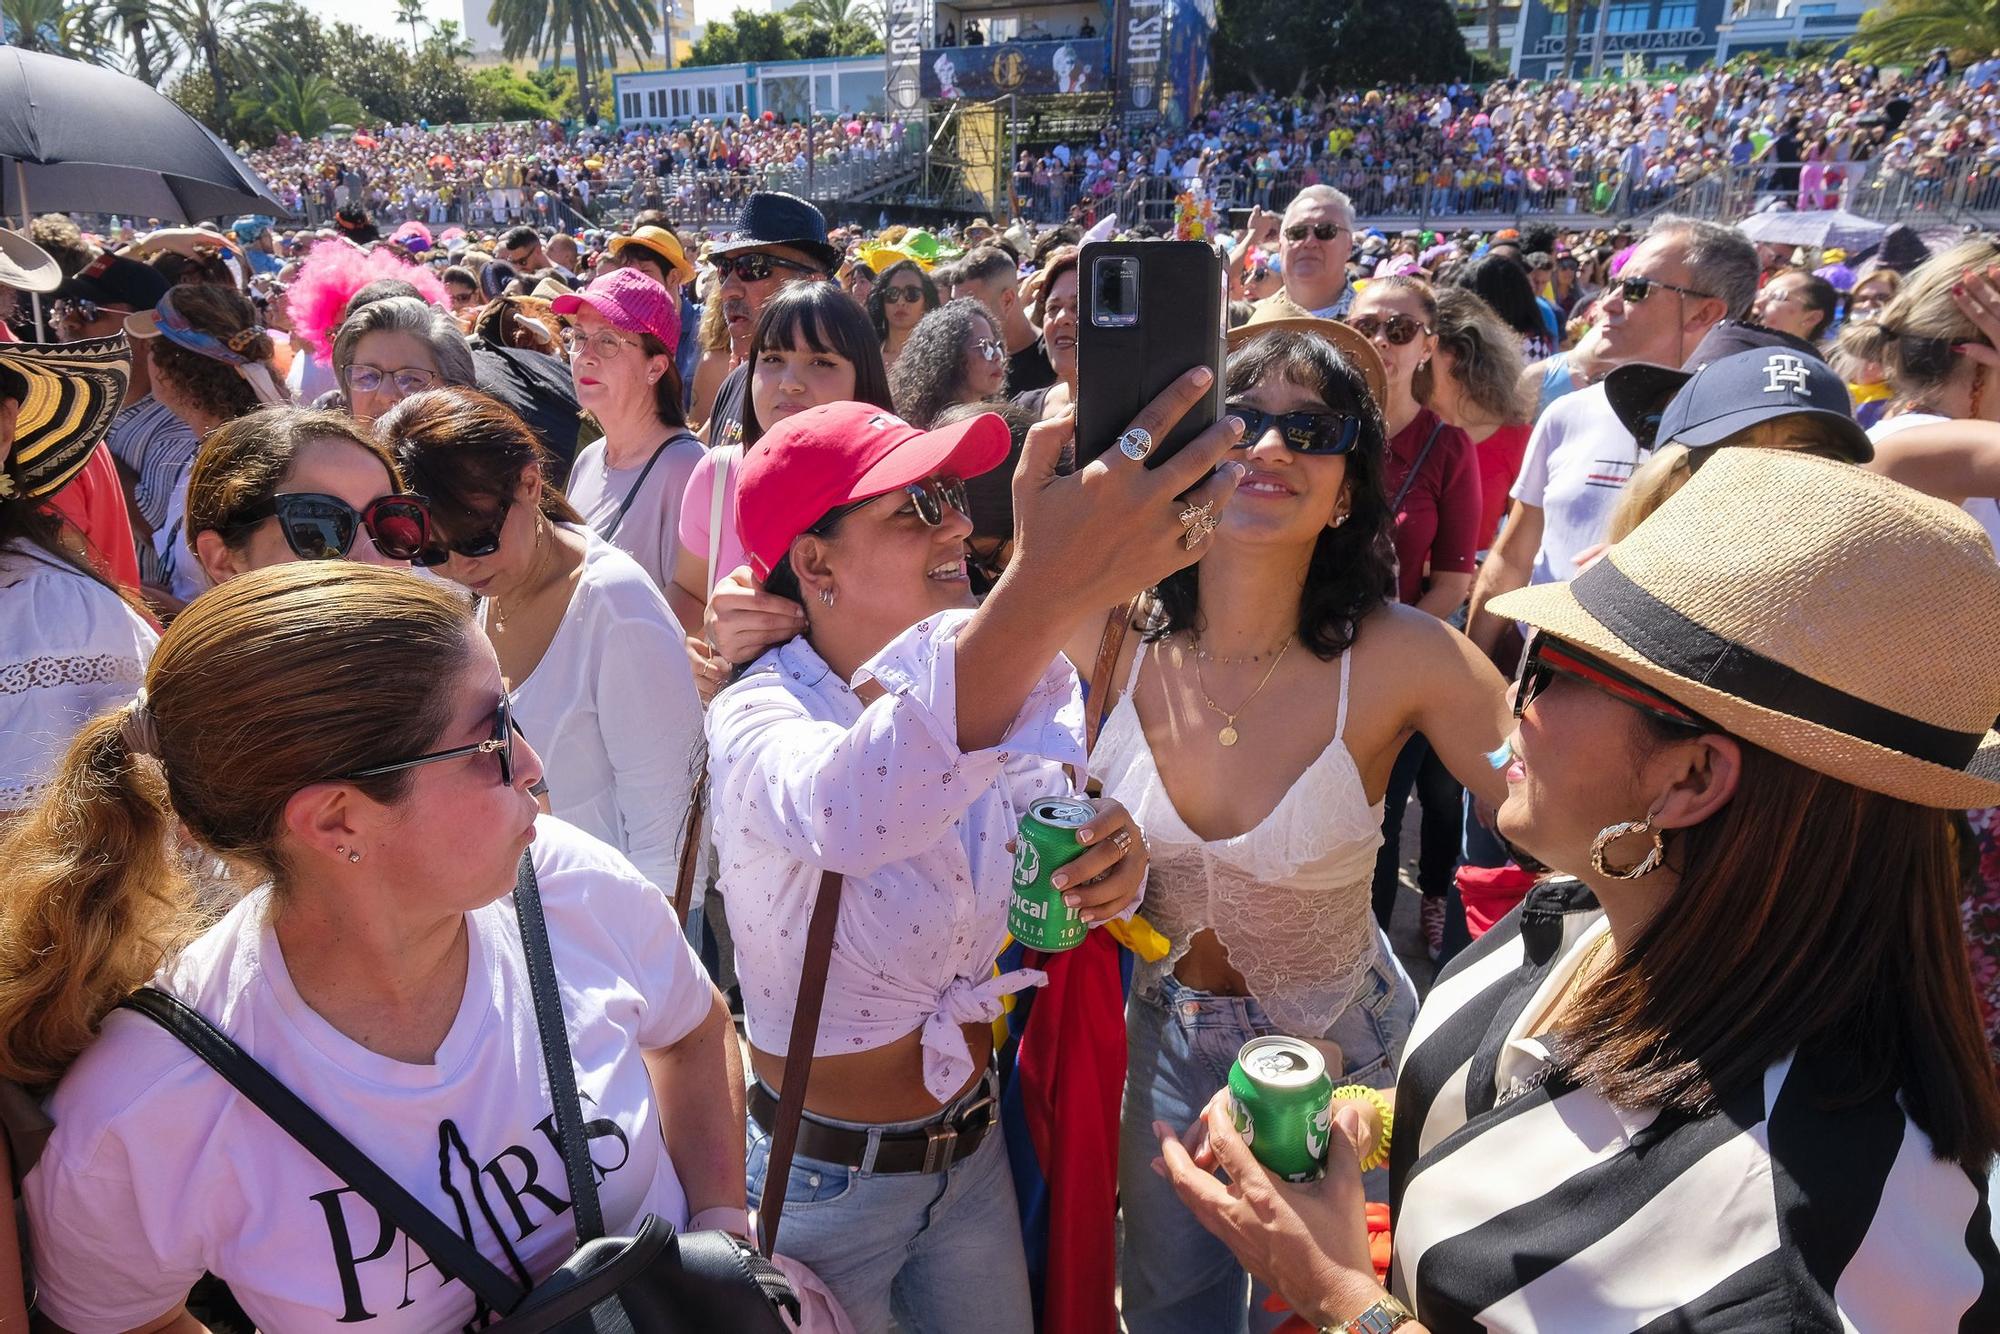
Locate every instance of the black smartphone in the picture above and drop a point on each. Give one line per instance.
(1152, 311)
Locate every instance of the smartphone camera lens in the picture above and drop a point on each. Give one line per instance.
(1114, 287)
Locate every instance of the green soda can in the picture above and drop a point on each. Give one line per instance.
(1282, 1102)
(1038, 917)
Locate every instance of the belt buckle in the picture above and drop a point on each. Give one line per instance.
(939, 1142)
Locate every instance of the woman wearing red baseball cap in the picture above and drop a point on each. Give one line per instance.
(896, 741)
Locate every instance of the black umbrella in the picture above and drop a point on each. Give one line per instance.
(83, 139)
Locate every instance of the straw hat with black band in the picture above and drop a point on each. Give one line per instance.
(68, 393)
(1827, 614)
(1280, 314)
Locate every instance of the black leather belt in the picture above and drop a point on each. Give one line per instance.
(926, 1149)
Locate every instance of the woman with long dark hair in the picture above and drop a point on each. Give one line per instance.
(958, 354)
(1500, 282)
(897, 303)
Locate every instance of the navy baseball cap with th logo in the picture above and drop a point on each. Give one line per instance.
(1745, 388)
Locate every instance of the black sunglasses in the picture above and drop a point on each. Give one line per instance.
(438, 548)
(754, 267)
(1636, 289)
(896, 296)
(1304, 432)
(1546, 658)
(1325, 231)
(501, 743)
(318, 527)
(930, 497)
(1398, 329)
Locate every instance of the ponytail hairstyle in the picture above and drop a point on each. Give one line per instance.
(271, 682)
(1915, 336)
(466, 452)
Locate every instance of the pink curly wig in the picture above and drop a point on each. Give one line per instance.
(332, 273)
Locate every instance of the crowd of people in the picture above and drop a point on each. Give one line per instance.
(396, 623)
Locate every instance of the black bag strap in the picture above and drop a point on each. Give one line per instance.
(1410, 479)
(799, 1057)
(450, 1252)
(589, 1215)
(618, 519)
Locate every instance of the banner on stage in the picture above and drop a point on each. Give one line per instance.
(1034, 69)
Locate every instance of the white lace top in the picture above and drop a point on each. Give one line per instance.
(1289, 899)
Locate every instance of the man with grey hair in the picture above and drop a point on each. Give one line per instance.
(1686, 277)
(1315, 238)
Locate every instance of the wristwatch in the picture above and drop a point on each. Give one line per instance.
(1384, 1315)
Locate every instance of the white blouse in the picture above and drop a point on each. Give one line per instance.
(806, 779)
(611, 708)
(69, 649)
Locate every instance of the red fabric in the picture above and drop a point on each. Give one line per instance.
(1490, 893)
(1437, 529)
(1499, 458)
(1378, 1255)
(1072, 1072)
(93, 503)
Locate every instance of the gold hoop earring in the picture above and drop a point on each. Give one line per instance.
(1645, 866)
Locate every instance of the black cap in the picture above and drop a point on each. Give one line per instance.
(772, 217)
(1738, 391)
(1639, 393)
(113, 280)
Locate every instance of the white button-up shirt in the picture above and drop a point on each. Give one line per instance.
(806, 779)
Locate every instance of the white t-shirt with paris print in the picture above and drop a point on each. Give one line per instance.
(158, 1170)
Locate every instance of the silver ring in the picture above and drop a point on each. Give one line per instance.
(1121, 839)
(1136, 443)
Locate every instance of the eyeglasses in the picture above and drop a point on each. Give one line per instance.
(930, 496)
(1546, 658)
(1635, 290)
(439, 549)
(365, 379)
(1325, 231)
(1399, 330)
(1304, 432)
(505, 729)
(320, 527)
(604, 345)
(754, 267)
(83, 312)
(896, 296)
(990, 348)
(460, 297)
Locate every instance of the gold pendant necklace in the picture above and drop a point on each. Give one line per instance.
(1228, 735)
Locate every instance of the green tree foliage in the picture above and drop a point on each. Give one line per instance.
(52, 26)
(593, 31)
(1287, 46)
(848, 38)
(748, 36)
(228, 40)
(501, 93)
(410, 14)
(285, 102)
(1910, 29)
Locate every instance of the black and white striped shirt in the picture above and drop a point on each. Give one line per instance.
(1521, 1202)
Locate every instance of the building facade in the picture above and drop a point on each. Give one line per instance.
(1660, 34)
(788, 89)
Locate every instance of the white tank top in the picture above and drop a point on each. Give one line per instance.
(1290, 898)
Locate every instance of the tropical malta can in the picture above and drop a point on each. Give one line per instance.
(1282, 1102)
(1038, 917)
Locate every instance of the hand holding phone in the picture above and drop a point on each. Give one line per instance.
(1152, 311)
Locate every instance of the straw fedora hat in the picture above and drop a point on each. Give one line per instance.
(69, 393)
(1280, 314)
(1857, 634)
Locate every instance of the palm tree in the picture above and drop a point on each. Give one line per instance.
(51, 26)
(593, 29)
(411, 13)
(1910, 29)
(137, 25)
(286, 102)
(449, 37)
(224, 36)
(834, 13)
(1493, 27)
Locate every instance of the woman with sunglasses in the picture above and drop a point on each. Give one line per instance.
(956, 355)
(1260, 711)
(286, 484)
(389, 349)
(597, 664)
(1724, 1071)
(896, 741)
(342, 732)
(898, 302)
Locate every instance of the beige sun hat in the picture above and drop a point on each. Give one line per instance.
(1280, 314)
(1827, 614)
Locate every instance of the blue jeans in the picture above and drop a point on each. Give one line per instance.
(940, 1251)
(1178, 1279)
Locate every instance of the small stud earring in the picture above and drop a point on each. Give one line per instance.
(1338, 519)
(355, 855)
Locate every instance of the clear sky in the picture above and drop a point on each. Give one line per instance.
(380, 15)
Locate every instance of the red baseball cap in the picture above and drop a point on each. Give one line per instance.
(631, 300)
(832, 455)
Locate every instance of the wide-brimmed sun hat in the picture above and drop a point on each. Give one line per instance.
(662, 245)
(69, 393)
(25, 266)
(1830, 615)
(1280, 314)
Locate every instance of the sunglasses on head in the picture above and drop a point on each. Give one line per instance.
(1635, 290)
(1546, 658)
(1304, 432)
(931, 497)
(754, 267)
(438, 548)
(365, 379)
(318, 527)
(1399, 330)
(1325, 231)
(501, 743)
(896, 296)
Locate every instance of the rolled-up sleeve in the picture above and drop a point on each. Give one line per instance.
(886, 788)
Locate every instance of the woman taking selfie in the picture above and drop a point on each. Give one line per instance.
(896, 742)
(1724, 1072)
(342, 732)
(597, 666)
(900, 299)
(957, 355)
(1255, 730)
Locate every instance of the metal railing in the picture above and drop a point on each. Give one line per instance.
(1939, 189)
